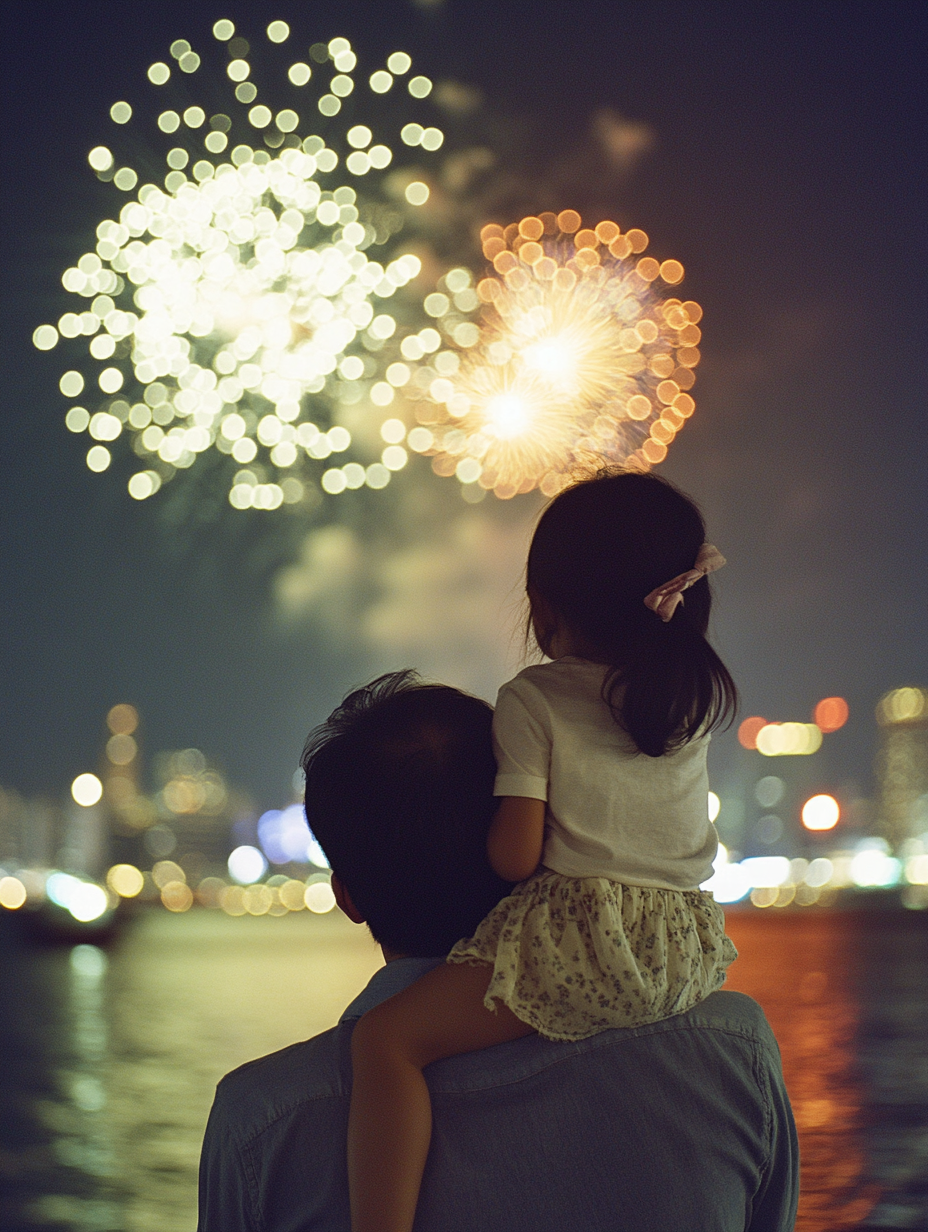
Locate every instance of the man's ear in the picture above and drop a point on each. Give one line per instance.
(344, 900)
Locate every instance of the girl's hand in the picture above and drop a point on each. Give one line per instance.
(516, 837)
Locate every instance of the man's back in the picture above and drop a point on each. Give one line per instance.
(680, 1126)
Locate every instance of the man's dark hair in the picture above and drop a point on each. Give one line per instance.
(399, 794)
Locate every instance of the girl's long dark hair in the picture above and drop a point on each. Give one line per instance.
(598, 549)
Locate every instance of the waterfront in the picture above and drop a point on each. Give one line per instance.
(847, 996)
(114, 1055)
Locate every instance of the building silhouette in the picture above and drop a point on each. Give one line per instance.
(902, 765)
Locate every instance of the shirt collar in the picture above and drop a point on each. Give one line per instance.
(388, 981)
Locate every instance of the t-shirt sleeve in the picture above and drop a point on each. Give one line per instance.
(521, 744)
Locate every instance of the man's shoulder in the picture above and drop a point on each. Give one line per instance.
(731, 1011)
(308, 1078)
(498, 1111)
(722, 1013)
(277, 1085)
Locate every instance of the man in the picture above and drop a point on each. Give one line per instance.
(680, 1126)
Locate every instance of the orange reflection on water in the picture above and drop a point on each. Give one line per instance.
(796, 965)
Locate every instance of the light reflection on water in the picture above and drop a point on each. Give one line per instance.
(798, 967)
(115, 1055)
(118, 1055)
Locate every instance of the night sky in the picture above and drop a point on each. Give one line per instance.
(786, 172)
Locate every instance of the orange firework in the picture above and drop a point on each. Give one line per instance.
(579, 359)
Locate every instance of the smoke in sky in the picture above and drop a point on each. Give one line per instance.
(431, 582)
(443, 595)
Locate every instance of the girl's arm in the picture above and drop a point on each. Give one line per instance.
(516, 837)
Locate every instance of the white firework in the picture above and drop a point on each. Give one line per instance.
(239, 305)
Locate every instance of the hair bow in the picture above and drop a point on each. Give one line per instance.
(664, 600)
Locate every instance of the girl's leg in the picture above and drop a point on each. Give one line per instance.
(390, 1123)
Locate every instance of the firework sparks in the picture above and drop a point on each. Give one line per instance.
(579, 358)
(236, 305)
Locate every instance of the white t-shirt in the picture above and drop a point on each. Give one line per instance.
(612, 811)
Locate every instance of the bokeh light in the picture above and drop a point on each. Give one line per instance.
(788, 739)
(87, 790)
(777, 881)
(821, 812)
(291, 894)
(122, 719)
(819, 872)
(12, 893)
(209, 892)
(284, 834)
(769, 790)
(83, 899)
(121, 750)
(246, 864)
(831, 713)
(715, 806)
(748, 731)
(916, 870)
(231, 900)
(766, 872)
(728, 883)
(319, 896)
(166, 871)
(906, 705)
(567, 355)
(257, 899)
(87, 902)
(874, 868)
(125, 880)
(769, 829)
(177, 896)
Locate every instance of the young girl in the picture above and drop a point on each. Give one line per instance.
(603, 822)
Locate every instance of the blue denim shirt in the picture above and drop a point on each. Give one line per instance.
(680, 1126)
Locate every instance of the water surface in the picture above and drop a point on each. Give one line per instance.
(115, 1055)
(110, 1058)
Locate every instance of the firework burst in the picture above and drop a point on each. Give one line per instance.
(579, 356)
(239, 301)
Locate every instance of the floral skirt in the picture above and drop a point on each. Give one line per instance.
(572, 956)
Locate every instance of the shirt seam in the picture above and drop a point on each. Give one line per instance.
(741, 1033)
(305, 1099)
(543, 721)
(547, 723)
(259, 1131)
(762, 1080)
(253, 1186)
